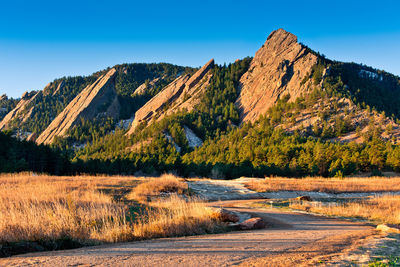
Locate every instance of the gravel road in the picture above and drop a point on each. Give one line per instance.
(290, 239)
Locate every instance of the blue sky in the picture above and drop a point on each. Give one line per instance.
(44, 40)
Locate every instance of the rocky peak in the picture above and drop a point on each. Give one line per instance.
(146, 86)
(182, 93)
(97, 98)
(277, 69)
(59, 88)
(27, 95)
(20, 109)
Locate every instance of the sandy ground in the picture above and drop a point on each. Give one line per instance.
(291, 239)
(235, 189)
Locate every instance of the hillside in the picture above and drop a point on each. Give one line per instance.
(287, 111)
(97, 98)
(36, 110)
(6, 105)
(182, 93)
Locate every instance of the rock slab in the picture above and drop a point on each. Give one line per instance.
(99, 98)
(280, 67)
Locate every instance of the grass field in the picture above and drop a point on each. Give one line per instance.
(93, 209)
(382, 209)
(329, 185)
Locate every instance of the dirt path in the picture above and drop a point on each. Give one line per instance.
(291, 238)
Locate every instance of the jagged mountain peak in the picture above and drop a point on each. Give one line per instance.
(278, 68)
(96, 98)
(283, 35)
(182, 93)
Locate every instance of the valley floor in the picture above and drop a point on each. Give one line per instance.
(289, 239)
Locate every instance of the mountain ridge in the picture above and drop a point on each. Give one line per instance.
(86, 105)
(267, 114)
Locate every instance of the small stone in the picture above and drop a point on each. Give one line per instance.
(252, 223)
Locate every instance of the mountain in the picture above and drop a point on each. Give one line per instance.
(287, 111)
(6, 105)
(279, 68)
(19, 109)
(329, 94)
(36, 110)
(182, 93)
(99, 98)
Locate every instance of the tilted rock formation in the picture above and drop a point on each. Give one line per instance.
(145, 86)
(32, 137)
(182, 93)
(277, 69)
(96, 99)
(26, 99)
(59, 88)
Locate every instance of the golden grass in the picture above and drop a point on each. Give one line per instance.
(332, 185)
(167, 183)
(44, 207)
(50, 208)
(382, 209)
(176, 216)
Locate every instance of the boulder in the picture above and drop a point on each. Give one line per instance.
(304, 198)
(389, 228)
(228, 216)
(252, 223)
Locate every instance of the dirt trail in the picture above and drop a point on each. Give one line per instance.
(290, 238)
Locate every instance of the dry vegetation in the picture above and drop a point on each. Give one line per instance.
(36, 208)
(49, 209)
(329, 185)
(167, 183)
(175, 216)
(382, 209)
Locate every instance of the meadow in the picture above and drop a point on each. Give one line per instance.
(378, 209)
(328, 185)
(61, 212)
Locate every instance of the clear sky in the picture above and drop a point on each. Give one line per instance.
(44, 40)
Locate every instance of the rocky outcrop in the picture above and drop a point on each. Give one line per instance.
(20, 109)
(96, 99)
(146, 86)
(193, 140)
(183, 93)
(278, 68)
(32, 137)
(59, 88)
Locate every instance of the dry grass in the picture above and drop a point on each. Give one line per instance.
(49, 208)
(382, 209)
(176, 216)
(44, 207)
(153, 187)
(330, 185)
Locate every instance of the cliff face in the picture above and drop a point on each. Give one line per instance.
(20, 109)
(96, 99)
(182, 93)
(277, 69)
(146, 86)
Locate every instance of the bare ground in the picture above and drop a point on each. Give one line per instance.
(291, 239)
